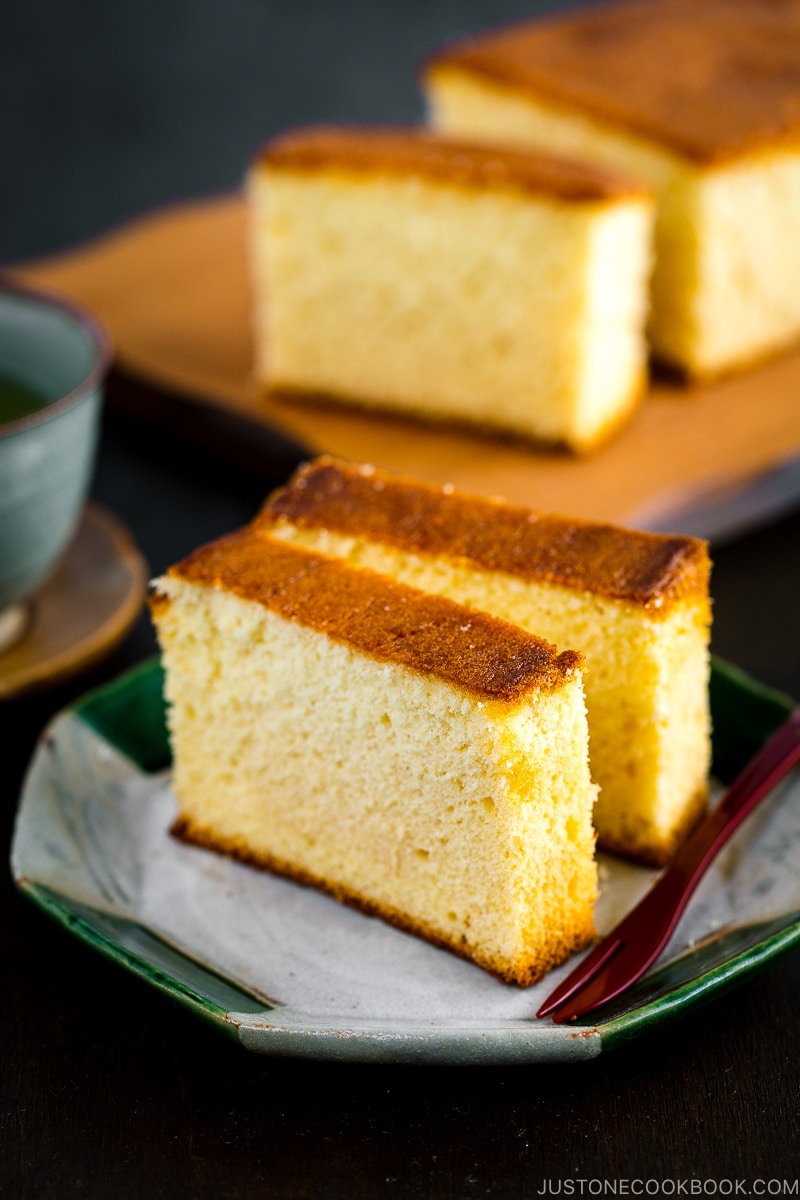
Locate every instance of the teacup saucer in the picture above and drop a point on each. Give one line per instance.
(86, 606)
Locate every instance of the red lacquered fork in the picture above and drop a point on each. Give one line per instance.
(626, 953)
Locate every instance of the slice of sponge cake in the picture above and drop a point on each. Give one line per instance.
(702, 102)
(454, 282)
(420, 761)
(636, 604)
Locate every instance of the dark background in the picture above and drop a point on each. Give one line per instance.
(106, 1089)
(110, 109)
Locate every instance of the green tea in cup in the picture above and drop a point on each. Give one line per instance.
(53, 361)
(18, 399)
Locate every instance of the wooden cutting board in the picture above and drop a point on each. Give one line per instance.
(172, 289)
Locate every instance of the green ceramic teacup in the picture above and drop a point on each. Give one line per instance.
(53, 361)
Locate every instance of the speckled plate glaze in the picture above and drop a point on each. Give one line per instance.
(286, 970)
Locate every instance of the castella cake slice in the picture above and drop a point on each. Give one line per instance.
(402, 271)
(636, 604)
(418, 760)
(699, 100)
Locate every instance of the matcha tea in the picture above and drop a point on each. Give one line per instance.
(17, 400)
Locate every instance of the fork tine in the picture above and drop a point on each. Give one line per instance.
(602, 987)
(624, 963)
(584, 973)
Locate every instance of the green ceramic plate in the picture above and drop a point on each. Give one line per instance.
(288, 971)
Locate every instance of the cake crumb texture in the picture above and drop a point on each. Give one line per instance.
(701, 102)
(399, 272)
(463, 819)
(635, 604)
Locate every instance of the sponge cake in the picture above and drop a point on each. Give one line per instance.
(449, 281)
(423, 762)
(701, 102)
(636, 604)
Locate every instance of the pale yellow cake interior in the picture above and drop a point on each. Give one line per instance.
(465, 820)
(646, 682)
(727, 236)
(513, 311)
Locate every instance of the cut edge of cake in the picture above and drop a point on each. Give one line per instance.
(720, 147)
(245, 601)
(450, 327)
(639, 601)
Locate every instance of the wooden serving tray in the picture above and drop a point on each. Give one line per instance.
(172, 289)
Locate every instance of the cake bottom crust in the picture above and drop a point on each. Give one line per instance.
(644, 848)
(287, 393)
(692, 375)
(523, 974)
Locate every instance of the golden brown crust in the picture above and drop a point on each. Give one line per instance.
(653, 571)
(158, 603)
(387, 620)
(522, 974)
(711, 80)
(399, 151)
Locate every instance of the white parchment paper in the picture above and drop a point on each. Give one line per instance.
(95, 829)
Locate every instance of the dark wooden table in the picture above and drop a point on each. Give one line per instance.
(109, 1090)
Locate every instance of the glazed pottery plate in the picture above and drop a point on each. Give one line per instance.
(287, 970)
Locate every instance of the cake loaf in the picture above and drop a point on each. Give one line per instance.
(423, 762)
(700, 101)
(406, 272)
(636, 604)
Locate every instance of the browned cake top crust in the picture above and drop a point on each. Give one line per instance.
(651, 570)
(711, 79)
(406, 152)
(389, 621)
